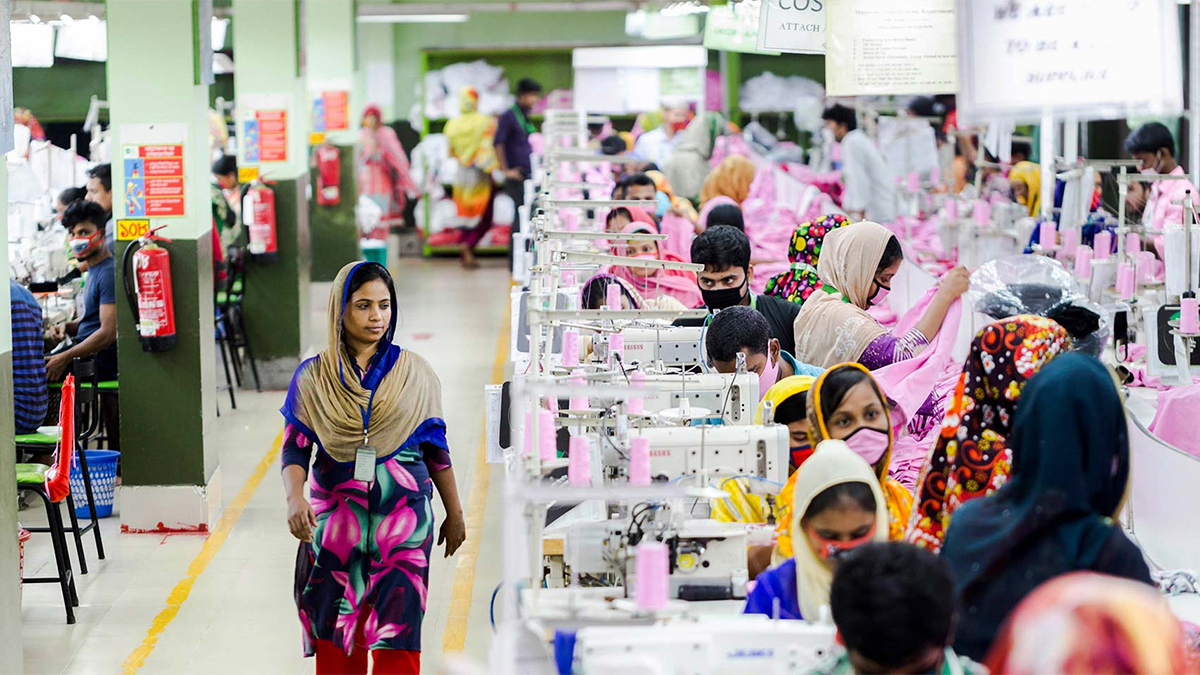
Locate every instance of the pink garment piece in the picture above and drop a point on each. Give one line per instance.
(1175, 420)
(769, 226)
(1162, 193)
(910, 382)
(680, 233)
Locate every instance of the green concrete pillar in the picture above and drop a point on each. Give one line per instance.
(158, 99)
(334, 93)
(269, 81)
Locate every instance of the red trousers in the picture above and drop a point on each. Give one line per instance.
(332, 660)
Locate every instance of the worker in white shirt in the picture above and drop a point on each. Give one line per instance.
(869, 186)
(657, 144)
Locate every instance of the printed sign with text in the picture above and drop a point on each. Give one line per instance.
(153, 181)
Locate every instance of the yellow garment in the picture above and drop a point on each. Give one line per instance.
(899, 499)
(742, 507)
(732, 178)
(832, 464)
(1031, 175)
(471, 134)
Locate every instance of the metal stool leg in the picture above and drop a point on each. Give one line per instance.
(91, 502)
(241, 320)
(77, 534)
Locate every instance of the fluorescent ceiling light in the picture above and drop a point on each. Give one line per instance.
(414, 18)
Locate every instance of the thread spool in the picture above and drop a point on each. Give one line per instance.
(982, 213)
(1102, 245)
(652, 579)
(1133, 244)
(616, 348)
(579, 379)
(1070, 238)
(612, 295)
(1145, 266)
(914, 182)
(1126, 281)
(579, 462)
(935, 176)
(952, 209)
(1048, 236)
(570, 343)
(581, 345)
(1189, 316)
(636, 405)
(1083, 262)
(639, 461)
(547, 445)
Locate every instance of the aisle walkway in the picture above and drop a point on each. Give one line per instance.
(239, 616)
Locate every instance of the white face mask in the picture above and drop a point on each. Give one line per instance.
(1151, 170)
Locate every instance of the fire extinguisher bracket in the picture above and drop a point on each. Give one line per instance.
(146, 270)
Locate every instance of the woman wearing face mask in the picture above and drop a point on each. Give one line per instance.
(839, 506)
(649, 282)
(847, 404)
(971, 457)
(372, 412)
(856, 268)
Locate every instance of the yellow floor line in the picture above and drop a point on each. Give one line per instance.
(216, 539)
(459, 611)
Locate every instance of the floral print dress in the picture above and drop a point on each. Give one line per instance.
(369, 558)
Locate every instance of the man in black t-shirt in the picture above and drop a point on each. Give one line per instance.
(725, 282)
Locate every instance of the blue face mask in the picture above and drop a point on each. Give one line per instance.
(662, 205)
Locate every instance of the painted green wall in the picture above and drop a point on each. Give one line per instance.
(334, 229)
(277, 293)
(61, 93)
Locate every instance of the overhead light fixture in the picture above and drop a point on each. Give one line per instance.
(684, 8)
(34, 18)
(414, 18)
(66, 18)
(93, 17)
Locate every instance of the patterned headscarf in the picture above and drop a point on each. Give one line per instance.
(970, 458)
(1085, 622)
(799, 282)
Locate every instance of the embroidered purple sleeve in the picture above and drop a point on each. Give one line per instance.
(888, 349)
(436, 457)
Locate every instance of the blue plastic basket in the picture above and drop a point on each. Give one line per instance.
(102, 467)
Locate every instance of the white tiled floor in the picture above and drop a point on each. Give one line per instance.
(239, 617)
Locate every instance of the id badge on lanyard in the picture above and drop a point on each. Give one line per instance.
(364, 456)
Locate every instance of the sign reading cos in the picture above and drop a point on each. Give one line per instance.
(796, 26)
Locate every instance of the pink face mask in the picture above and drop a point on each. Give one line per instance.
(868, 443)
(768, 377)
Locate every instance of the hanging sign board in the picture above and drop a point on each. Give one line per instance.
(885, 47)
(734, 28)
(1021, 60)
(153, 186)
(796, 26)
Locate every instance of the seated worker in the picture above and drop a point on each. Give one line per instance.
(95, 334)
(723, 214)
(1055, 514)
(227, 200)
(895, 609)
(594, 295)
(657, 144)
(99, 190)
(1025, 179)
(66, 198)
(725, 282)
(1153, 145)
(30, 396)
(745, 331)
(839, 506)
(654, 283)
(621, 217)
(636, 186)
(856, 268)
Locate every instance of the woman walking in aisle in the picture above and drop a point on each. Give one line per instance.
(373, 412)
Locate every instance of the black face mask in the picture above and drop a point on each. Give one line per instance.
(724, 298)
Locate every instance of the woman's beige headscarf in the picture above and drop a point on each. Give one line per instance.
(732, 178)
(833, 325)
(832, 464)
(328, 399)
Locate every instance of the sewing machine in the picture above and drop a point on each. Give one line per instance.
(719, 451)
(754, 645)
(671, 345)
(736, 395)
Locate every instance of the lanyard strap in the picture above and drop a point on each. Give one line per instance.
(525, 124)
(366, 417)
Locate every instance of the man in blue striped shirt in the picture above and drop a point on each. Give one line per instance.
(29, 366)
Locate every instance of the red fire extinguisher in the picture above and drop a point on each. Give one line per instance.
(258, 212)
(329, 175)
(147, 276)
